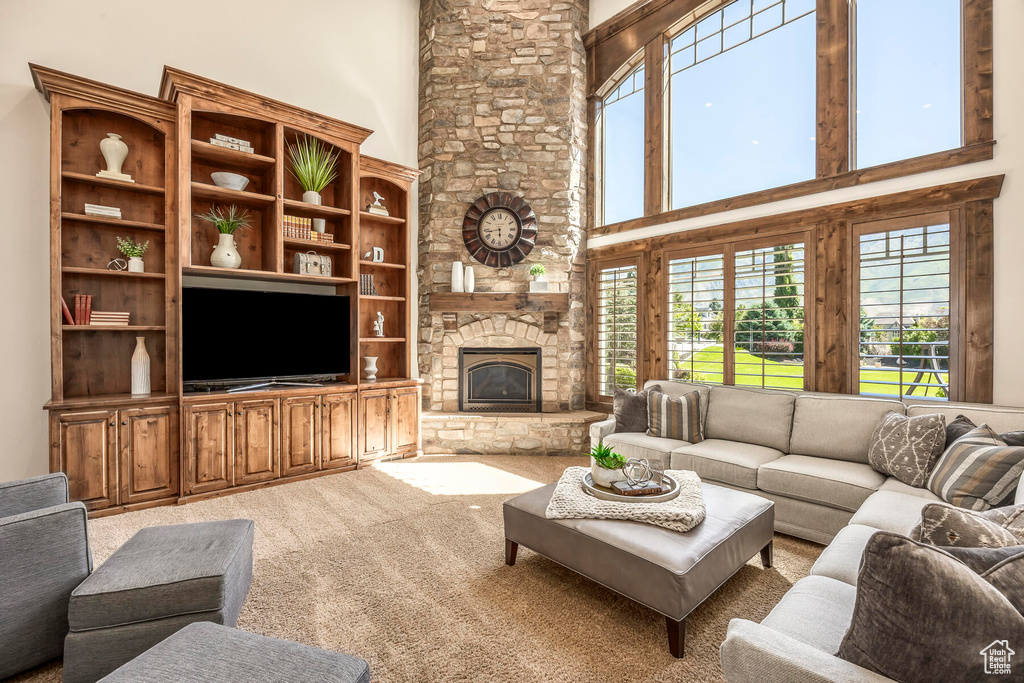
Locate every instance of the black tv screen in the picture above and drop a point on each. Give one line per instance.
(230, 335)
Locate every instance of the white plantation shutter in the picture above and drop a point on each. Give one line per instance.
(696, 301)
(616, 328)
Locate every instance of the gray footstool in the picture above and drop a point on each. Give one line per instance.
(208, 653)
(161, 580)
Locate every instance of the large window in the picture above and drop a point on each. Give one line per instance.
(904, 293)
(616, 311)
(621, 122)
(907, 73)
(696, 319)
(742, 101)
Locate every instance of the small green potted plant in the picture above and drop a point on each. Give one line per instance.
(134, 251)
(605, 465)
(539, 284)
(314, 164)
(225, 254)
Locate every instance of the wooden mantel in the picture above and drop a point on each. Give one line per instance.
(550, 304)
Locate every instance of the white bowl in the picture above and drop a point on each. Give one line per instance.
(230, 181)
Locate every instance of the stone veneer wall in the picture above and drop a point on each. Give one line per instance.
(503, 107)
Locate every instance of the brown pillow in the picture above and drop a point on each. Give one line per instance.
(922, 615)
(630, 409)
(907, 447)
(944, 526)
(963, 424)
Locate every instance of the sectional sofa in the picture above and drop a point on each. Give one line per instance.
(808, 454)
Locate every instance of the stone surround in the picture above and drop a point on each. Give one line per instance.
(565, 433)
(503, 107)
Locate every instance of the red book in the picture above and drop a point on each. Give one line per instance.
(79, 309)
(68, 318)
(88, 308)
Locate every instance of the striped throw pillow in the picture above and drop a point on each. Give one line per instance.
(978, 471)
(674, 418)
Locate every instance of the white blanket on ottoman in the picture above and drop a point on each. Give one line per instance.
(570, 501)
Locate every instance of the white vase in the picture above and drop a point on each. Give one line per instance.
(114, 152)
(458, 284)
(135, 265)
(371, 367)
(603, 476)
(311, 197)
(140, 367)
(469, 279)
(225, 254)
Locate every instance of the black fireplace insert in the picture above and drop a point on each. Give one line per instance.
(502, 379)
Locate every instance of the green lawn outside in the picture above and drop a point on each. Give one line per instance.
(709, 363)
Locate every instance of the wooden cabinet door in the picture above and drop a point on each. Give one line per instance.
(256, 441)
(375, 437)
(338, 431)
(148, 441)
(84, 447)
(209, 447)
(300, 432)
(405, 420)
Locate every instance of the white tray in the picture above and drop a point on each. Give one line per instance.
(602, 493)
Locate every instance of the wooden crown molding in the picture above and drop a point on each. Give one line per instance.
(176, 82)
(374, 166)
(49, 81)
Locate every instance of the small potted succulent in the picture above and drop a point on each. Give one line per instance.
(134, 251)
(225, 254)
(605, 465)
(539, 284)
(314, 164)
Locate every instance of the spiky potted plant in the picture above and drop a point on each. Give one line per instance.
(227, 221)
(134, 251)
(605, 465)
(314, 164)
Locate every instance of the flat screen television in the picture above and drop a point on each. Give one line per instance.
(231, 336)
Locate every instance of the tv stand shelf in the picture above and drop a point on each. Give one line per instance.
(241, 274)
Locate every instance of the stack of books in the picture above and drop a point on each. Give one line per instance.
(108, 318)
(366, 286)
(83, 310)
(377, 210)
(100, 210)
(232, 143)
(296, 227)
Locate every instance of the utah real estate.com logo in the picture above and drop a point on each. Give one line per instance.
(997, 658)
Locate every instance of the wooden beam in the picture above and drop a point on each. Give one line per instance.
(833, 88)
(831, 331)
(979, 306)
(654, 131)
(498, 302)
(978, 89)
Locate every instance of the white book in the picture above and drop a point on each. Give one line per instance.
(224, 143)
(228, 138)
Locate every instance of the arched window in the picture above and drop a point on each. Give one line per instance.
(620, 125)
(742, 101)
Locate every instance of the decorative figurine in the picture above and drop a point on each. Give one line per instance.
(378, 255)
(114, 152)
(377, 207)
(378, 325)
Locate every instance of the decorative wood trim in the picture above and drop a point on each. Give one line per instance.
(978, 81)
(833, 88)
(979, 306)
(459, 302)
(831, 303)
(654, 132)
(50, 81)
(386, 169)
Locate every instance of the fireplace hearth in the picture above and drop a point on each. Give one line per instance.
(505, 379)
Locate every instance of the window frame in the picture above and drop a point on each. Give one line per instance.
(626, 71)
(594, 276)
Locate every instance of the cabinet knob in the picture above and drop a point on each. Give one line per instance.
(125, 423)
(239, 413)
(112, 424)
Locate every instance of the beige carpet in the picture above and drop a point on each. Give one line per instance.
(402, 564)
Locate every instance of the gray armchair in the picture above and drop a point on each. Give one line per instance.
(44, 555)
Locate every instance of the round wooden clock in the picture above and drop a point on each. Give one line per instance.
(499, 229)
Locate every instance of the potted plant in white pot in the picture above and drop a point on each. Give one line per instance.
(605, 465)
(314, 164)
(539, 284)
(134, 251)
(225, 254)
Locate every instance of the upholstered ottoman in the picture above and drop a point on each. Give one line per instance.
(208, 653)
(161, 580)
(668, 571)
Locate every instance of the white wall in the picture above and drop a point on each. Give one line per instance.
(1009, 208)
(349, 59)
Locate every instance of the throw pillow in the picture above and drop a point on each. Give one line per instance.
(945, 526)
(630, 410)
(978, 471)
(963, 424)
(907, 447)
(923, 615)
(674, 418)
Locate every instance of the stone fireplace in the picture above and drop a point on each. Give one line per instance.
(499, 380)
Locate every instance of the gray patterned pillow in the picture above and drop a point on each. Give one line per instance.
(978, 471)
(945, 526)
(907, 447)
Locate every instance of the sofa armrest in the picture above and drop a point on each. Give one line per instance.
(753, 653)
(599, 430)
(36, 493)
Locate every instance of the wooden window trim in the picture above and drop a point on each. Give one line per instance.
(645, 24)
(593, 370)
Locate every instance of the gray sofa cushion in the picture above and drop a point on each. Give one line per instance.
(999, 418)
(963, 424)
(166, 571)
(751, 416)
(728, 462)
(836, 483)
(209, 653)
(815, 611)
(677, 389)
(850, 423)
(891, 511)
(634, 445)
(896, 486)
(841, 559)
(35, 493)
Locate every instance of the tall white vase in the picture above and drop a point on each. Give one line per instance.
(458, 284)
(225, 254)
(370, 369)
(140, 367)
(114, 152)
(469, 279)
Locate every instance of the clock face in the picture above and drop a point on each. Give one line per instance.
(499, 229)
